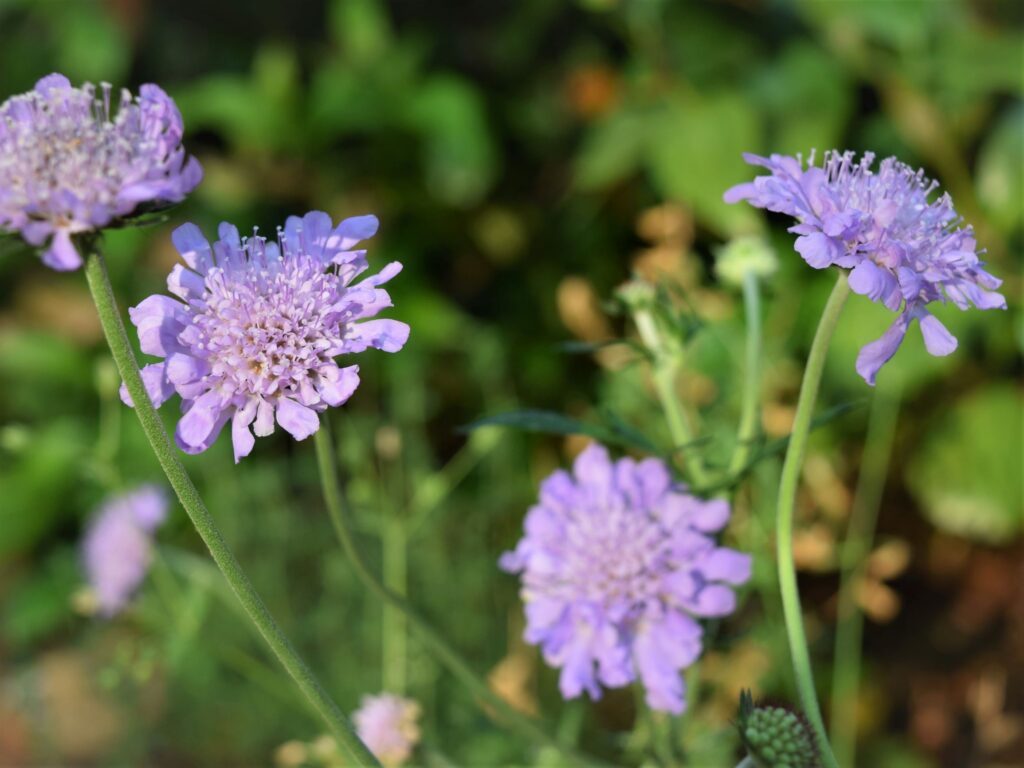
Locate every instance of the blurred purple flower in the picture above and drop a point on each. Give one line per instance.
(117, 546)
(387, 725)
(67, 165)
(904, 252)
(617, 565)
(258, 326)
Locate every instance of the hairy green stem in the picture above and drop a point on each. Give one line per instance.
(860, 536)
(788, 482)
(751, 376)
(166, 454)
(337, 508)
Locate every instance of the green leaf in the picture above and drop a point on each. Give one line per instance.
(1000, 181)
(36, 483)
(41, 373)
(227, 102)
(807, 99)
(90, 45)
(612, 149)
(459, 157)
(361, 28)
(577, 347)
(696, 153)
(41, 602)
(966, 472)
(549, 422)
(904, 26)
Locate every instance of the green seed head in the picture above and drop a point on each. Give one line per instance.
(776, 737)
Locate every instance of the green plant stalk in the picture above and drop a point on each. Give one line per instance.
(665, 367)
(166, 454)
(860, 536)
(784, 517)
(337, 508)
(393, 624)
(108, 441)
(751, 377)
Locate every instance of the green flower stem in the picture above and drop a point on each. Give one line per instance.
(748, 427)
(853, 556)
(747, 762)
(666, 363)
(665, 376)
(124, 358)
(393, 624)
(784, 522)
(338, 510)
(665, 366)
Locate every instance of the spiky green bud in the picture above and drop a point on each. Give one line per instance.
(775, 737)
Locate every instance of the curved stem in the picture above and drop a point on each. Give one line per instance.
(751, 377)
(338, 510)
(859, 537)
(166, 454)
(784, 523)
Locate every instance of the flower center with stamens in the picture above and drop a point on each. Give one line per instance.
(267, 331)
(614, 557)
(65, 143)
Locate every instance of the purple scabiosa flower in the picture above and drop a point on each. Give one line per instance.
(117, 546)
(256, 325)
(387, 725)
(618, 563)
(68, 165)
(904, 251)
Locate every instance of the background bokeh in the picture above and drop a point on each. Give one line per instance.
(524, 157)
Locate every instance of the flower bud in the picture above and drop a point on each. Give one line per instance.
(742, 256)
(776, 737)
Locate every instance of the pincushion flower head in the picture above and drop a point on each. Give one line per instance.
(618, 564)
(117, 546)
(70, 164)
(904, 251)
(256, 325)
(388, 725)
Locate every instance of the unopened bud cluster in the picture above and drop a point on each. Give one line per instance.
(775, 737)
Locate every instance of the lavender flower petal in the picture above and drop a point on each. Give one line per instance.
(71, 162)
(904, 251)
(616, 562)
(388, 725)
(117, 546)
(253, 334)
(876, 354)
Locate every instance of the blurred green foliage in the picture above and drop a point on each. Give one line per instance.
(505, 146)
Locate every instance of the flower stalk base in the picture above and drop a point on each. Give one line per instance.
(784, 523)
